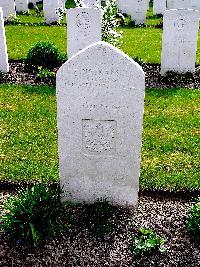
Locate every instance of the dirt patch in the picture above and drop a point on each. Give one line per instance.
(19, 74)
(81, 248)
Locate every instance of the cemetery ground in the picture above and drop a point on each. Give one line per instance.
(169, 180)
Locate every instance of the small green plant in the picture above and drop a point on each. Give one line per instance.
(46, 75)
(98, 217)
(146, 240)
(44, 54)
(33, 215)
(193, 221)
(12, 20)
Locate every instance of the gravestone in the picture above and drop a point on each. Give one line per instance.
(179, 41)
(83, 28)
(195, 4)
(122, 6)
(8, 8)
(175, 4)
(159, 7)
(4, 67)
(92, 3)
(49, 8)
(138, 11)
(21, 5)
(100, 102)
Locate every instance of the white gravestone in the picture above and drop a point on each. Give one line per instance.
(21, 5)
(138, 11)
(122, 6)
(179, 41)
(49, 8)
(92, 3)
(195, 4)
(175, 4)
(100, 102)
(83, 28)
(159, 7)
(8, 7)
(4, 67)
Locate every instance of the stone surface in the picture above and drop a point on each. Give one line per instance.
(8, 7)
(83, 28)
(159, 7)
(92, 3)
(195, 4)
(21, 5)
(122, 6)
(100, 102)
(49, 8)
(179, 42)
(171, 4)
(137, 9)
(4, 67)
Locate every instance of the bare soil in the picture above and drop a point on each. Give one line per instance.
(165, 215)
(20, 74)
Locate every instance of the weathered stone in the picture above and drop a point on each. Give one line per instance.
(92, 3)
(49, 8)
(179, 44)
(100, 101)
(174, 4)
(83, 28)
(8, 7)
(138, 11)
(4, 67)
(21, 5)
(159, 7)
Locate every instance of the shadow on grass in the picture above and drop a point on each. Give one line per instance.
(41, 89)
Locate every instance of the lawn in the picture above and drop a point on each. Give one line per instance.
(170, 152)
(145, 43)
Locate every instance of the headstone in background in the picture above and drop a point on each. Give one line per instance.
(4, 67)
(21, 5)
(49, 8)
(179, 41)
(138, 11)
(100, 103)
(92, 3)
(159, 7)
(83, 28)
(175, 4)
(8, 7)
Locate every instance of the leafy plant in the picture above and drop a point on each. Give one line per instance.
(35, 214)
(12, 20)
(146, 240)
(44, 54)
(45, 75)
(193, 221)
(98, 217)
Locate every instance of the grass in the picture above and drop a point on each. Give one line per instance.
(170, 152)
(145, 43)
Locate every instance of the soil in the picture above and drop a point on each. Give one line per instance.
(80, 247)
(19, 74)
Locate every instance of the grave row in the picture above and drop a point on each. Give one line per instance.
(179, 41)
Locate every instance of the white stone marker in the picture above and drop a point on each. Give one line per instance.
(100, 102)
(122, 6)
(83, 28)
(159, 7)
(175, 4)
(21, 5)
(49, 8)
(4, 67)
(8, 7)
(195, 4)
(138, 11)
(179, 41)
(92, 3)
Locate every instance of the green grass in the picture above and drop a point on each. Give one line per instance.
(170, 152)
